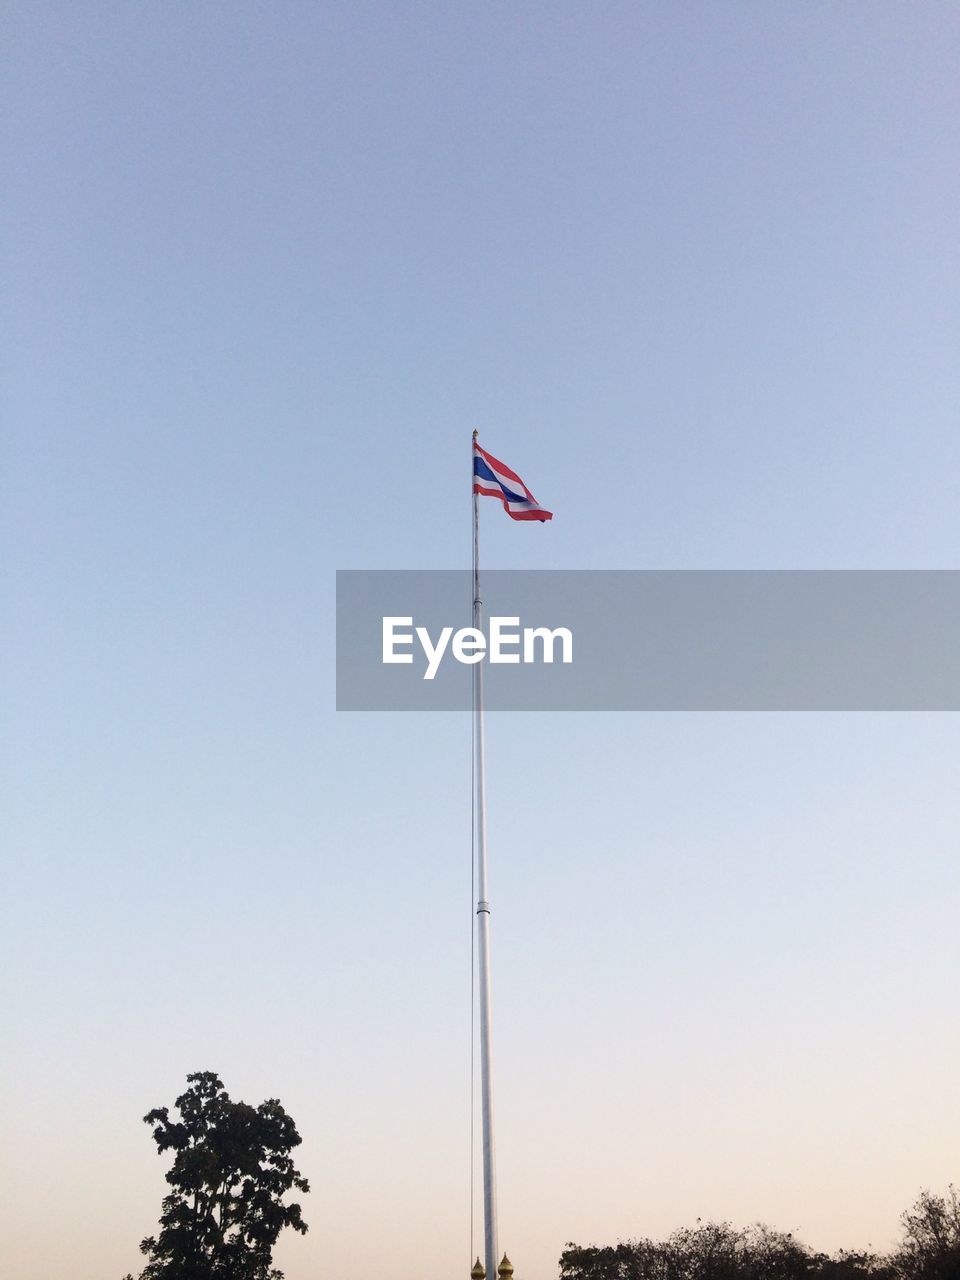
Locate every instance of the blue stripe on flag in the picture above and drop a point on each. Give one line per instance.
(481, 470)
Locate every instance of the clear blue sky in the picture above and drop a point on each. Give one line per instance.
(692, 270)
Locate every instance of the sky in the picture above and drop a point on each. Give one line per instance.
(692, 270)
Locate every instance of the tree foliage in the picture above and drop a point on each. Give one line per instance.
(929, 1250)
(230, 1172)
(711, 1251)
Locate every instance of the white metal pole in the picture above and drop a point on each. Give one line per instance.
(483, 934)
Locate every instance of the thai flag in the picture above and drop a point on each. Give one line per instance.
(494, 480)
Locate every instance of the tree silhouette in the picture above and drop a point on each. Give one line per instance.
(230, 1171)
(719, 1251)
(930, 1249)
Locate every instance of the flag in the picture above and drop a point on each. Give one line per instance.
(494, 480)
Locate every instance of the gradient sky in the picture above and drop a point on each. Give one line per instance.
(692, 270)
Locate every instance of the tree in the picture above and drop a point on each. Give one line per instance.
(708, 1251)
(930, 1249)
(717, 1251)
(230, 1172)
(851, 1264)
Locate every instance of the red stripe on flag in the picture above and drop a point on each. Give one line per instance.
(537, 513)
(533, 513)
(499, 466)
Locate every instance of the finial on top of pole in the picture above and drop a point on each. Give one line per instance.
(505, 1269)
(478, 1272)
(475, 433)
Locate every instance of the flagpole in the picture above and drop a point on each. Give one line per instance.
(483, 929)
